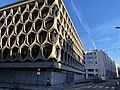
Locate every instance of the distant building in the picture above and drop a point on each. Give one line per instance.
(119, 72)
(98, 63)
(91, 64)
(39, 44)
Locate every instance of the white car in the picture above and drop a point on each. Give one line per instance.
(103, 79)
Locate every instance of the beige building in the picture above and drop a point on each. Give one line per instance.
(91, 64)
(98, 63)
(38, 42)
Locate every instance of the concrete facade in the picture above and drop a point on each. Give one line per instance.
(119, 72)
(107, 65)
(91, 64)
(39, 44)
(98, 63)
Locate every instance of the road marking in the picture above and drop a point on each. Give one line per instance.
(112, 87)
(106, 87)
(95, 86)
(101, 87)
(89, 87)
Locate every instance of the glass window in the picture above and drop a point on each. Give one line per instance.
(91, 70)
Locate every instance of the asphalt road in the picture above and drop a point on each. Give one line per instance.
(110, 85)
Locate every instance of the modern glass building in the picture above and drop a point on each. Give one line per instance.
(38, 42)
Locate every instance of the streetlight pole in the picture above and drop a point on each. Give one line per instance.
(117, 27)
(38, 73)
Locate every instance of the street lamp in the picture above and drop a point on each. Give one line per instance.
(38, 73)
(117, 27)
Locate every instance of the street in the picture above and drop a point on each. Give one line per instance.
(110, 85)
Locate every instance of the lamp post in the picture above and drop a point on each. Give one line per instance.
(38, 73)
(117, 27)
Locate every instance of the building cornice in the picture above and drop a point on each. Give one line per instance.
(9, 6)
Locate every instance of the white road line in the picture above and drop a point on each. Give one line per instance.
(88, 86)
(83, 87)
(112, 87)
(95, 86)
(101, 87)
(106, 87)
(80, 88)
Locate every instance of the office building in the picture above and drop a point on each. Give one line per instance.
(99, 64)
(39, 43)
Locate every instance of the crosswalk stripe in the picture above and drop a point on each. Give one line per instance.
(112, 87)
(101, 87)
(106, 87)
(95, 86)
(89, 87)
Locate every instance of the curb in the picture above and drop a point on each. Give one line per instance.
(80, 85)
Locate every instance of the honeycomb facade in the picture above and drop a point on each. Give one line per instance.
(39, 34)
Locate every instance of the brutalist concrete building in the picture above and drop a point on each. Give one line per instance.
(38, 42)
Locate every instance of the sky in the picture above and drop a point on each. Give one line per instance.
(95, 22)
(6, 2)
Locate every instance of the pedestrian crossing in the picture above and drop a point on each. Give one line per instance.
(100, 87)
(94, 87)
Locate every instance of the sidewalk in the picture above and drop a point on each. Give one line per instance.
(65, 86)
(56, 87)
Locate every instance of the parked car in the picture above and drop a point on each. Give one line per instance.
(96, 79)
(103, 79)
